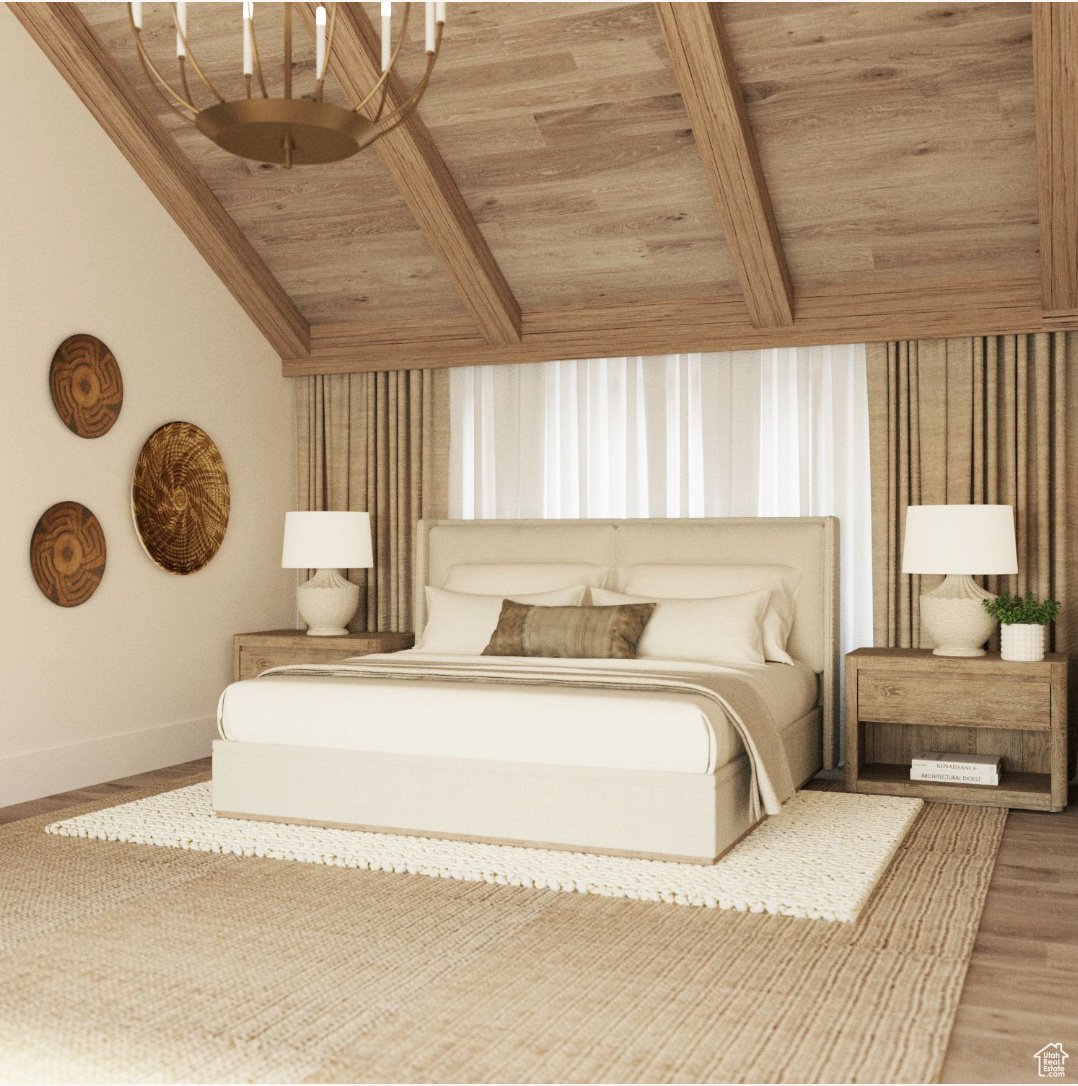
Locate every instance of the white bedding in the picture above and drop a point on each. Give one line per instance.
(602, 728)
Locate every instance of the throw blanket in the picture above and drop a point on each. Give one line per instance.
(728, 691)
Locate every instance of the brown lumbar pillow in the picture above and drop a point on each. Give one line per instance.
(607, 632)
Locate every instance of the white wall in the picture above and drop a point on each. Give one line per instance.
(128, 681)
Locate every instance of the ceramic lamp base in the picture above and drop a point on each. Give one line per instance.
(954, 616)
(327, 603)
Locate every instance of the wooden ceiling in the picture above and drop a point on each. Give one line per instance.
(591, 179)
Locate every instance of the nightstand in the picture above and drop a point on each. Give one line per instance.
(252, 653)
(902, 701)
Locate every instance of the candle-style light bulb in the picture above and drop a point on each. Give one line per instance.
(439, 9)
(248, 38)
(136, 13)
(429, 12)
(319, 41)
(387, 34)
(181, 28)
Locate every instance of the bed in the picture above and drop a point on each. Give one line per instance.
(633, 757)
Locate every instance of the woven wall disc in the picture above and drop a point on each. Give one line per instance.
(67, 553)
(180, 497)
(86, 385)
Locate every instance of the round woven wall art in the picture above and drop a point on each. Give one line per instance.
(67, 553)
(86, 385)
(180, 497)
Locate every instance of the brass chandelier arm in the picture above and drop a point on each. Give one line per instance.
(183, 78)
(146, 67)
(403, 111)
(382, 85)
(254, 56)
(393, 62)
(193, 59)
(155, 78)
(382, 100)
(319, 86)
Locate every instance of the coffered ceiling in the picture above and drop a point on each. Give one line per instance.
(834, 170)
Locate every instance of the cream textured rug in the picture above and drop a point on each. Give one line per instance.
(128, 964)
(820, 858)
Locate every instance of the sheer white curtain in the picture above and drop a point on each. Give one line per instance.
(779, 432)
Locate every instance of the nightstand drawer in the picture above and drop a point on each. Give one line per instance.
(254, 661)
(253, 653)
(981, 702)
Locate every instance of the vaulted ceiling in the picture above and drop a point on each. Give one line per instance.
(620, 178)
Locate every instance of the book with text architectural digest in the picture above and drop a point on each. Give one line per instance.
(956, 768)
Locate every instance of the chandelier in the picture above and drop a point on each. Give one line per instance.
(286, 130)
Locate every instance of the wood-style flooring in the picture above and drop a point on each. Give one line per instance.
(1021, 991)
(114, 790)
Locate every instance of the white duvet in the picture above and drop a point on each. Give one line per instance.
(603, 728)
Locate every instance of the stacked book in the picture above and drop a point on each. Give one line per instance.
(955, 768)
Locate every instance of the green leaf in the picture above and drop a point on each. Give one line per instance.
(1013, 610)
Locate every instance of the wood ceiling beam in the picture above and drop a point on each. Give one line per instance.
(67, 40)
(423, 180)
(720, 123)
(1055, 78)
(840, 314)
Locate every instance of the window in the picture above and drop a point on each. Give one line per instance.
(780, 432)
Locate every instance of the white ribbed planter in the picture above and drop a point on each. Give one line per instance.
(1022, 641)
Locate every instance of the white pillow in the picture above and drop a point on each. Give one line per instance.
(724, 629)
(492, 579)
(696, 581)
(460, 623)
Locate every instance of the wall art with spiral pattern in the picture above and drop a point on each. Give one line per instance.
(180, 497)
(67, 553)
(86, 385)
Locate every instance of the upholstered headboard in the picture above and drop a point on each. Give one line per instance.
(810, 543)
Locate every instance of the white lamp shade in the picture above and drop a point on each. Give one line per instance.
(327, 541)
(959, 539)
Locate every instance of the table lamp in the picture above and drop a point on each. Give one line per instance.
(959, 540)
(328, 543)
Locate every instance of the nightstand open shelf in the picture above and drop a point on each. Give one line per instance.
(900, 702)
(1027, 790)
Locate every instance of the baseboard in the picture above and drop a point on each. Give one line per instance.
(76, 765)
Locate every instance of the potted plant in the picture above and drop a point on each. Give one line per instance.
(1023, 620)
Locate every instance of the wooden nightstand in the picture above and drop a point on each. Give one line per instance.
(902, 701)
(252, 653)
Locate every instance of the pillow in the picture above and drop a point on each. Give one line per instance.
(719, 630)
(695, 581)
(577, 632)
(512, 578)
(460, 623)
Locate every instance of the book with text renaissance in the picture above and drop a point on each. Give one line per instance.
(960, 763)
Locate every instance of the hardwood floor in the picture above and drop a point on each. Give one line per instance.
(109, 790)
(1021, 991)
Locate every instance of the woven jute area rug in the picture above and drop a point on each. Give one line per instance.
(129, 963)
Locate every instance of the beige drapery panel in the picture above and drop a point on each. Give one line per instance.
(981, 420)
(377, 442)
